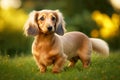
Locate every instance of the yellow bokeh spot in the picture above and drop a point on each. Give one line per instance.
(95, 33)
(12, 19)
(108, 25)
(1, 24)
(97, 17)
(115, 19)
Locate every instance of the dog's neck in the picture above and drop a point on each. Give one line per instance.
(45, 38)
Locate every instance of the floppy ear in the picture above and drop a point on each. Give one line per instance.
(60, 23)
(31, 27)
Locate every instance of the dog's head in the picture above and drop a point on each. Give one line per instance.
(45, 21)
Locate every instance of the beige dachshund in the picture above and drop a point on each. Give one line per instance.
(52, 46)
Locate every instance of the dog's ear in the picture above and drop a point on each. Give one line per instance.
(31, 27)
(60, 23)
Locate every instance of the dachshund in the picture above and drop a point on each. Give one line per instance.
(52, 46)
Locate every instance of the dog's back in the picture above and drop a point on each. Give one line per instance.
(73, 42)
(77, 45)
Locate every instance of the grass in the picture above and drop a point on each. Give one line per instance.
(24, 68)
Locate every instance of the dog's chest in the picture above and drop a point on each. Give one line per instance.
(44, 52)
(46, 59)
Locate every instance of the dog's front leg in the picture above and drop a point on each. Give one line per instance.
(59, 63)
(40, 66)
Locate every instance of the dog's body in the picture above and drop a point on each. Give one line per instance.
(51, 48)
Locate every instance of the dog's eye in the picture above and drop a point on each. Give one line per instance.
(42, 18)
(53, 18)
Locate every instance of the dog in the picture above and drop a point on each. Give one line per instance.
(52, 46)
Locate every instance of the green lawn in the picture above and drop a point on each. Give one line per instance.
(24, 68)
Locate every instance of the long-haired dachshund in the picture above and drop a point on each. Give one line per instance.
(52, 46)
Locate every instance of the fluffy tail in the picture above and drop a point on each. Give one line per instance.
(100, 46)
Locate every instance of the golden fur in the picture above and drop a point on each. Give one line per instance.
(52, 46)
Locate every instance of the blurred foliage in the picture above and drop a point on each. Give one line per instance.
(95, 18)
(12, 39)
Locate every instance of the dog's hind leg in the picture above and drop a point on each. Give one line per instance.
(85, 59)
(85, 55)
(73, 61)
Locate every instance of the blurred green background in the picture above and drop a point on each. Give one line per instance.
(95, 18)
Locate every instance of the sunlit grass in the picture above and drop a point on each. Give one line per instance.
(24, 68)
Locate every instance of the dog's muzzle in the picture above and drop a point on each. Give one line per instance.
(49, 28)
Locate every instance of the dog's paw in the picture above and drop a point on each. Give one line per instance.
(42, 70)
(55, 71)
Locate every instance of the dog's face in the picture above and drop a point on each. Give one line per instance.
(46, 22)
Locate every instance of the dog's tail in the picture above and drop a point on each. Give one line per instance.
(100, 46)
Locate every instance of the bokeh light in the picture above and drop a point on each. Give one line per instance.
(6, 4)
(108, 25)
(94, 33)
(115, 4)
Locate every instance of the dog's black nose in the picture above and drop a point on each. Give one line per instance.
(49, 28)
